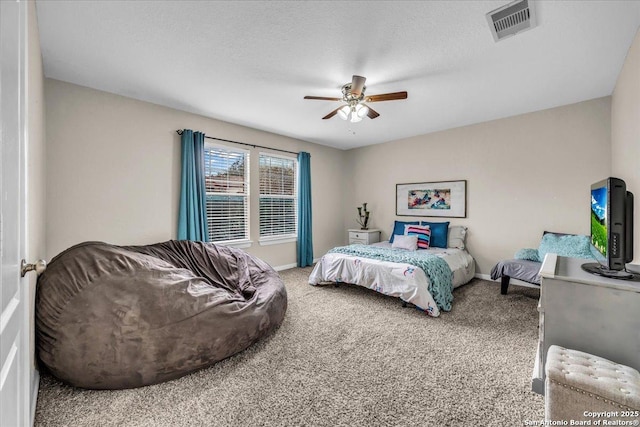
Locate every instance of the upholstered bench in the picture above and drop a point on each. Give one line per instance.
(581, 387)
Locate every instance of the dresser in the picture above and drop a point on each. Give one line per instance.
(585, 312)
(363, 237)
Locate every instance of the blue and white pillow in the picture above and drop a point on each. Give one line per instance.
(422, 232)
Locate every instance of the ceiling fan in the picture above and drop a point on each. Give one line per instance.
(353, 95)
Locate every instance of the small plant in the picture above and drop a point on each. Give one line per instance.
(363, 217)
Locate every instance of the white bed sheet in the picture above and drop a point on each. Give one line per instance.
(401, 280)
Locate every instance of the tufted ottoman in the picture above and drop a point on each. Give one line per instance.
(579, 386)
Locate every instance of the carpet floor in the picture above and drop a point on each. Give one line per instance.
(345, 356)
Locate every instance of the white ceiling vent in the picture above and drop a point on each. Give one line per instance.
(511, 19)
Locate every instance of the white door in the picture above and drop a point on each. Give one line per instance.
(14, 326)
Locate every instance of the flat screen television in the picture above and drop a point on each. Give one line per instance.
(611, 228)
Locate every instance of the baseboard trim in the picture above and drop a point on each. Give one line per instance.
(511, 282)
(289, 266)
(35, 386)
(285, 267)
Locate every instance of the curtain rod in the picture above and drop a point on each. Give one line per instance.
(179, 132)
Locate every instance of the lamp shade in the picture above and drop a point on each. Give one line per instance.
(361, 110)
(343, 112)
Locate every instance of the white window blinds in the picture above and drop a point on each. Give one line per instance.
(227, 185)
(278, 196)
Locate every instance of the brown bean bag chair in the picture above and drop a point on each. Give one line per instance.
(113, 317)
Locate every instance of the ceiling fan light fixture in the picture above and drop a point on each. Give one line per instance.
(354, 108)
(361, 110)
(343, 112)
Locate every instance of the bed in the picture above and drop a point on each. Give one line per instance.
(403, 277)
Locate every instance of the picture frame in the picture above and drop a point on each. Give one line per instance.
(438, 199)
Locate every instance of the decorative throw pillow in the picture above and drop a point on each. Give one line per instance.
(423, 232)
(570, 245)
(457, 236)
(409, 243)
(398, 228)
(529, 254)
(439, 233)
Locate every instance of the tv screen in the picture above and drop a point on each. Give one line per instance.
(611, 228)
(599, 219)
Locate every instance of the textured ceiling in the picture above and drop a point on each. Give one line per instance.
(251, 63)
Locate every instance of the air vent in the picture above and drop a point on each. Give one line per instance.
(511, 19)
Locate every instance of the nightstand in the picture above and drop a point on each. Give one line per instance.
(363, 237)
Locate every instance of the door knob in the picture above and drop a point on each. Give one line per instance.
(39, 266)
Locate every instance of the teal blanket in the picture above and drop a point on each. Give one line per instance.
(436, 268)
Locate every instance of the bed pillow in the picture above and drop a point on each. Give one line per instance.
(528, 254)
(398, 228)
(423, 232)
(457, 236)
(409, 243)
(439, 233)
(570, 245)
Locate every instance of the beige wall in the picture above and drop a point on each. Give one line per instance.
(35, 155)
(625, 132)
(113, 172)
(525, 174)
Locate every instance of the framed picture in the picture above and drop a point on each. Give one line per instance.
(442, 198)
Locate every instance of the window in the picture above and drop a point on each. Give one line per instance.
(226, 173)
(278, 197)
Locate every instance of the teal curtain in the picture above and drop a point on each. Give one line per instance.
(305, 240)
(192, 216)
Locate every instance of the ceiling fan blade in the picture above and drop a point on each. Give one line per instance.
(322, 98)
(357, 83)
(333, 113)
(386, 97)
(372, 113)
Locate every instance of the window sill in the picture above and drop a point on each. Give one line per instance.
(277, 240)
(240, 244)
